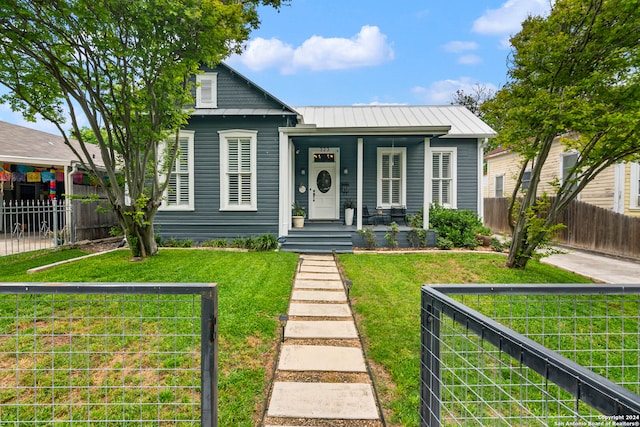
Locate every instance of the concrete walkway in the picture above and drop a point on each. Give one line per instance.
(600, 268)
(321, 377)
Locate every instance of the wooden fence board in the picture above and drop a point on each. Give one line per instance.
(587, 227)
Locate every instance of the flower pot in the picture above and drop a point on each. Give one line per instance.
(348, 216)
(298, 221)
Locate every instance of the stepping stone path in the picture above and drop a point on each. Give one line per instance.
(321, 378)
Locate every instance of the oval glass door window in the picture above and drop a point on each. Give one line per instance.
(323, 181)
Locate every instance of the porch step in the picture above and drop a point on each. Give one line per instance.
(318, 241)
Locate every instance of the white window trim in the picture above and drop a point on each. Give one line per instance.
(522, 189)
(190, 135)
(634, 190)
(225, 135)
(213, 77)
(403, 176)
(495, 186)
(454, 174)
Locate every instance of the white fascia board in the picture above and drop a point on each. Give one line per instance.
(35, 161)
(413, 130)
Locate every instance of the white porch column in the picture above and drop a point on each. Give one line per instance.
(284, 189)
(480, 204)
(359, 178)
(428, 175)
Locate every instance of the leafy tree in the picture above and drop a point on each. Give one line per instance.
(127, 66)
(474, 98)
(574, 75)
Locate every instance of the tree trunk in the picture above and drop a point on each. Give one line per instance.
(138, 228)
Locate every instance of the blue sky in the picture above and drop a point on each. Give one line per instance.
(349, 52)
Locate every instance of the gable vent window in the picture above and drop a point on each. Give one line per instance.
(206, 90)
(179, 194)
(238, 181)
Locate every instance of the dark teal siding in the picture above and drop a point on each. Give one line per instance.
(467, 167)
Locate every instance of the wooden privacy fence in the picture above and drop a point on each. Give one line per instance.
(587, 227)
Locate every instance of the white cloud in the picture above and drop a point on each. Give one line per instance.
(440, 92)
(367, 48)
(469, 60)
(507, 19)
(460, 46)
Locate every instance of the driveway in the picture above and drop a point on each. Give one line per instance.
(600, 268)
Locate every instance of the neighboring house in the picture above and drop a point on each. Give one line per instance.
(246, 157)
(37, 166)
(617, 188)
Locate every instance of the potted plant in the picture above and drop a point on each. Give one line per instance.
(349, 208)
(298, 215)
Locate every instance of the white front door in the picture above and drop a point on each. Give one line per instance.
(324, 183)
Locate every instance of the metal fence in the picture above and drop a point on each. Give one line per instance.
(103, 354)
(33, 225)
(547, 355)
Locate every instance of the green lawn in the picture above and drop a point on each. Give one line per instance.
(386, 300)
(253, 289)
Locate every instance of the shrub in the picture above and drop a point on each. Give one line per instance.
(369, 237)
(444, 243)
(457, 225)
(266, 242)
(392, 235)
(216, 243)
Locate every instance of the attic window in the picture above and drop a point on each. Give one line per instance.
(207, 90)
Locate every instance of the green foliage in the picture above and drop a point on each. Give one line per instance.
(216, 243)
(172, 242)
(297, 210)
(456, 225)
(125, 68)
(392, 235)
(116, 231)
(574, 79)
(444, 244)
(369, 237)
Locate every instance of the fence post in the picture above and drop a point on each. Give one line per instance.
(430, 369)
(209, 358)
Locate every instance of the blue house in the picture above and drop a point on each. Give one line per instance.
(246, 157)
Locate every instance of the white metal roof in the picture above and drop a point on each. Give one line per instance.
(462, 122)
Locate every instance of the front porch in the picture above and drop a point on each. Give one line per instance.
(329, 237)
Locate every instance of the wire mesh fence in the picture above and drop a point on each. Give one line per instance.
(108, 355)
(531, 355)
(34, 224)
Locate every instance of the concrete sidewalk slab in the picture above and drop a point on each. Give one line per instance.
(319, 310)
(321, 358)
(331, 296)
(317, 276)
(597, 267)
(323, 400)
(318, 284)
(322, 329)
(306, 268)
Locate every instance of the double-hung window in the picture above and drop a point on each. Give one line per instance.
(391, 177)
(206, 90)
(238, 180)
(443, 177)
(569, 161)
(179, 194)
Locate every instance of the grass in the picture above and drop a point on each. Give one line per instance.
(386, 300)
(253, 289)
